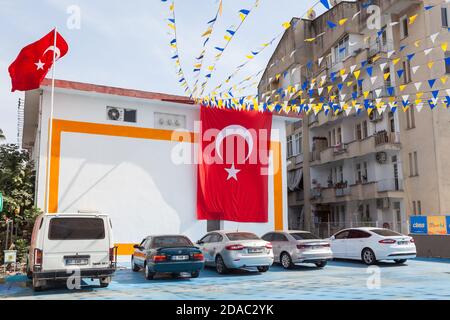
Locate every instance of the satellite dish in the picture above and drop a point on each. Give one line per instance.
(311, 15)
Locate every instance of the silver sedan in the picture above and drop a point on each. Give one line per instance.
(234, 250)
(295, 247)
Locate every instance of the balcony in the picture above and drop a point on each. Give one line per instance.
(384, 137)
(382, 141)
(390, 185)
(380, 46)
(341, 192)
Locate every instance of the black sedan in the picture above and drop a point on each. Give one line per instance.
(167, 254)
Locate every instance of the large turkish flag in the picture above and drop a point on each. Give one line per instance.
(35, 60)
(233, 165)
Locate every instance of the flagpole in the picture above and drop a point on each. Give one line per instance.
(52, 104)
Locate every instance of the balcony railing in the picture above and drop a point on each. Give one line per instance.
(340, 148)
(385, 137)
(390, 185)
(380, 46)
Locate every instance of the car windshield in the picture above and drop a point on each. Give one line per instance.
(386, 232)
(236, 236)
(304, 236)
(171, 242)
(76, 229)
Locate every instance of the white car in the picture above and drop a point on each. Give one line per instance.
(372, 244)
(64, 243)
(235, 250)
(295, 247)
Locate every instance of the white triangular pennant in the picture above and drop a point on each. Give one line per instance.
(418, 85)
(373, 80)
(433, 37)
(414, 69)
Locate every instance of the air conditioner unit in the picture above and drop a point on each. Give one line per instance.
(375, 116)
(383, 203)
(115, 114)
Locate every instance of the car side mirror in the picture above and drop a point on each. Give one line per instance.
(199, 242)
(332, 237)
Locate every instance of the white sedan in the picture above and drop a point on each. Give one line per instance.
(372, 244)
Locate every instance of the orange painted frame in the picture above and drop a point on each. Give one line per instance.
(60, 126)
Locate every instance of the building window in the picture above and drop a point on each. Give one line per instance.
(410, 117)
(444, 16)
(414, 208)
(391, 121)
(358, 132)
(447, 66)
(290, 152)
(297, 147)
(366, 173)
(413, 164)
(407, 72)
(341, 50)
(358, 173)
(365, 130)
(404, 31)
(416, 164)
(339, 136)
(419, 208)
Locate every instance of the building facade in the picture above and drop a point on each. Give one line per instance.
(115, 151)
(351, 168)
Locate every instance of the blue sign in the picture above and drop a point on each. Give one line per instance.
(448, 225)
(419, 224)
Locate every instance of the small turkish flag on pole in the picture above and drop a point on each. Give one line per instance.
(35, 60)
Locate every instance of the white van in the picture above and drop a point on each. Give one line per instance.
(64, 243)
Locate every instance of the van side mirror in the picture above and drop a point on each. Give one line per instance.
(136, 246)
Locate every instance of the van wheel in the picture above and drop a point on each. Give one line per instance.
(134, 267)
(221, 268)
(38, 285)
(368, 257)
(104, 282)
(148, 274)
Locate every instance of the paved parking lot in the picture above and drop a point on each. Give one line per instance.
(419, 279)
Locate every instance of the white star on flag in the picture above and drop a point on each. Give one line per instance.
(232, 172)
(40, 65)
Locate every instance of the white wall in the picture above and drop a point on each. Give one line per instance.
(133, 180)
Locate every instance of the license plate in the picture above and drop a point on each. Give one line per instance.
(316, 247)
(77, 262)
(180, 258)
(402, 243)
(255, 250)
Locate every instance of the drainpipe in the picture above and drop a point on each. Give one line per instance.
(306, 173)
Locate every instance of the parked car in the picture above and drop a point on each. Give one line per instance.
(295, 247)
(65, 241)
(373, 244)
(235, 250)
(174, 254)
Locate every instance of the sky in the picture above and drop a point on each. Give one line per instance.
(126, 43)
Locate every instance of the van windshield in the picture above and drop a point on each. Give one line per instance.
(76, 229)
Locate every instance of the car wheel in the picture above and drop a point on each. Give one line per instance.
(148, 274)
(134, 267)
(263, 269)
(400, 261)
(286, 260)
(195, 274)
(221, 268)
(368, 257)
(104, 282)
(321, 264)
(176, 275)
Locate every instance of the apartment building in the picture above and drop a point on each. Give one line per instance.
(354, 169)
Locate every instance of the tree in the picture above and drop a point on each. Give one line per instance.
(2, 135)
(17, 180)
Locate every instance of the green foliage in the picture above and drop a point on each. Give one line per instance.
(17, 180)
